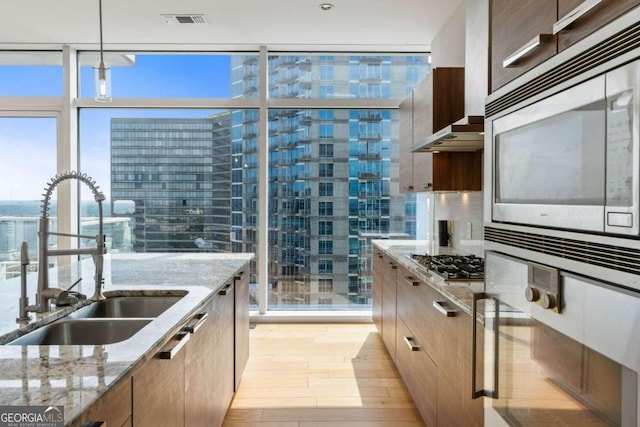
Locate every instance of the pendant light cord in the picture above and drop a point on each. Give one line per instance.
(100, 15)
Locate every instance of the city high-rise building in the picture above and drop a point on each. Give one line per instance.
(177, 172)
(332, 179)
(332, 175)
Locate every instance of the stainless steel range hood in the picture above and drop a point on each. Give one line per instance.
(466, 134)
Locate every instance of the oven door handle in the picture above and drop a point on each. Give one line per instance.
(475, 393)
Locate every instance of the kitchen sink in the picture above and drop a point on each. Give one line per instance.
(129, 306)
(69, 331)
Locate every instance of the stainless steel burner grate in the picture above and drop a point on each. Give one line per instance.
(453, 267)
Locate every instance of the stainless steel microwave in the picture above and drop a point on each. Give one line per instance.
(571, 160)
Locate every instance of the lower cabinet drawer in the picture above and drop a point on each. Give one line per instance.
(418, 371)
(414, 306)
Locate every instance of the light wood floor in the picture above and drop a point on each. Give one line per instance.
(320, 375)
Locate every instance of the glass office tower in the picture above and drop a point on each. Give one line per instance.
(332, 179)
(178, 174)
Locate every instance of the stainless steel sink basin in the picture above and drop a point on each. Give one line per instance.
(83, 332)
(131, 306)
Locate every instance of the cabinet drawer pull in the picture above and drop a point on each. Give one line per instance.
(227, 288)
(439, 305)
(169, 353)
(379, 254)
(528, 47)
(411, 281)
(574, 15)
(411, 342)
(239, 275)
(392, 265)
(200, 318)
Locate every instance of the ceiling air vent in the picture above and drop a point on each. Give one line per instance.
(184, 19)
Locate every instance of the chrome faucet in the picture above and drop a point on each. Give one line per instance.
(45, 293)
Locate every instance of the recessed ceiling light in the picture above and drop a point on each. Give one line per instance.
(326, 6)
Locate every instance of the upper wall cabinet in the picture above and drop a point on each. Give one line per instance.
(524, 34)
(438, 101)
(579, 18)
(435, 103)
(407, 158)
(520, 37)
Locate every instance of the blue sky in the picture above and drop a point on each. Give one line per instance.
(168, 76)
(27, 145)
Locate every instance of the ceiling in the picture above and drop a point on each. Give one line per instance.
(366, 25)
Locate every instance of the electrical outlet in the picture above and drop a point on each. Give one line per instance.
(469, 230)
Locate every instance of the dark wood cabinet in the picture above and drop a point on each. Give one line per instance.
(200, 369)
(389, 305)
(526, 33)
(241, 312)
(453, 341)
(457, 171)
(413, 294)
(513, 25)
(223, 357)
(438, 101)
(406, 157)
(376, 298)
(418, 371)
(158, 387)
(593, 19)
(191, 380)
(432, 348)
(435, 103)
(209, 361)
(113, 408)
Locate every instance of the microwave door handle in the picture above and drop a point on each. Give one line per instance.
(475, 393)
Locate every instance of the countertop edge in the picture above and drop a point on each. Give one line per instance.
(459, 293)
(147, 355)
(125, 357)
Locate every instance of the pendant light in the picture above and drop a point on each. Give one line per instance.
(102, 73)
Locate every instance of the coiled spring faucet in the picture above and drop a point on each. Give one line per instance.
(45, 293)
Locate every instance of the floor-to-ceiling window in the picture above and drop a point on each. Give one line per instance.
(333, 176)
(167, 176)
(173, 172)
(32, 84)
(178, 155)
(27, 145)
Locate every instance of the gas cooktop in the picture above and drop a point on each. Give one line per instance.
(453, 267)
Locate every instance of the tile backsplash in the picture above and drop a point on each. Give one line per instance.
(462, 210)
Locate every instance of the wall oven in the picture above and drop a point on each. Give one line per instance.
(556, 349)
(571, 160)
(557, 330)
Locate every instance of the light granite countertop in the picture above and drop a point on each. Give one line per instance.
(75, 376)
(459, 292)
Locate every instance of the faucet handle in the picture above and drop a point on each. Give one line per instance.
(24, 253)
(73, 297)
